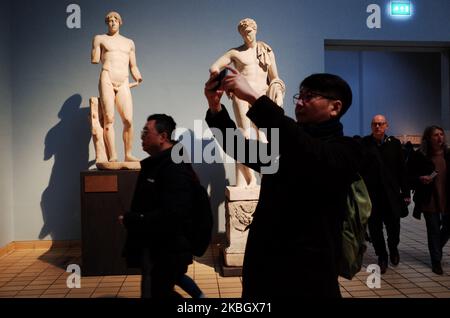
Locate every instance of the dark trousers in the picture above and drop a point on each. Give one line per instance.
(438, 233)
(379, 217)
(159, 274)
(189, 286)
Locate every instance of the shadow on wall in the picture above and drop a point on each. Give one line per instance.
(211, 175)
(68, 142)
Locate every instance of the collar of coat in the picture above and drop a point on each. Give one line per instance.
(157, 158)
(326, 130)
(385, 139)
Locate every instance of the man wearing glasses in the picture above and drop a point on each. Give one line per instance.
(295, 237)
(160, 214)
(384, 172)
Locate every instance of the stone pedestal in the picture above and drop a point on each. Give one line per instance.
(131, 165)
(240, 204)
(104, 196)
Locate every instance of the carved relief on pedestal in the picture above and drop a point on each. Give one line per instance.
(239, 215)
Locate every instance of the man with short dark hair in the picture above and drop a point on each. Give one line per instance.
(158, 222)
(294, 242)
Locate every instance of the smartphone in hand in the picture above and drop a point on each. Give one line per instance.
(433, 174)
(220, 78)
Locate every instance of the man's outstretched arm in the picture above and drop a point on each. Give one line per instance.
(218, 118)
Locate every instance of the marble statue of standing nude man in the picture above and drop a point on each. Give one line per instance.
(117, 54)
(255, 60)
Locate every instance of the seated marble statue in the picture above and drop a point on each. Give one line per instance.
(255, 60)
(118, 58)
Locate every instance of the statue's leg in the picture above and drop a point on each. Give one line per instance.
(107, 97)
(97, 130)
(245, 176)
(124, 103)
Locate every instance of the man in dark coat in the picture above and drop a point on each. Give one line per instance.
(384, 172)
(160, 213)
(294, 241)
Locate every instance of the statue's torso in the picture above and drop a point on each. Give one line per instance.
(115, 56)
(247, 63)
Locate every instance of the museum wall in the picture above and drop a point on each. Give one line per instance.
(6, 171)
(176, 42)
(404, 86)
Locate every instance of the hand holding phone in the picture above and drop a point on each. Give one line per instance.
(220, 78)
(433, 174)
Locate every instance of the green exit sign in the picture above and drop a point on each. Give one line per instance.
(400, 8)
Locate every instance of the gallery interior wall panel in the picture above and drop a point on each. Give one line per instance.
(176, 42)
(404, 86)
(6, 166)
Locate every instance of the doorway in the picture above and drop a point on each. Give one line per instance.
(408, 82)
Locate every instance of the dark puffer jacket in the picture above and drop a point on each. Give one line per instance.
(160, 212)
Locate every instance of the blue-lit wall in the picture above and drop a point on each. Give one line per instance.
(403, 86)
(176, 41)
(6, 171)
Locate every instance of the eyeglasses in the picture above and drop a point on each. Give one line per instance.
(306, 97)
(379, 124)
(145, 132)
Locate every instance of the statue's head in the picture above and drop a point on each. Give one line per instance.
(113, 14)
(247, 23)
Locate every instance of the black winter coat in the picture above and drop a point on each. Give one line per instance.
(384, 172)
(294, 241)
(159, 218)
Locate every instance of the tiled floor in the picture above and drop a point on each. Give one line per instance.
(41, 273)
